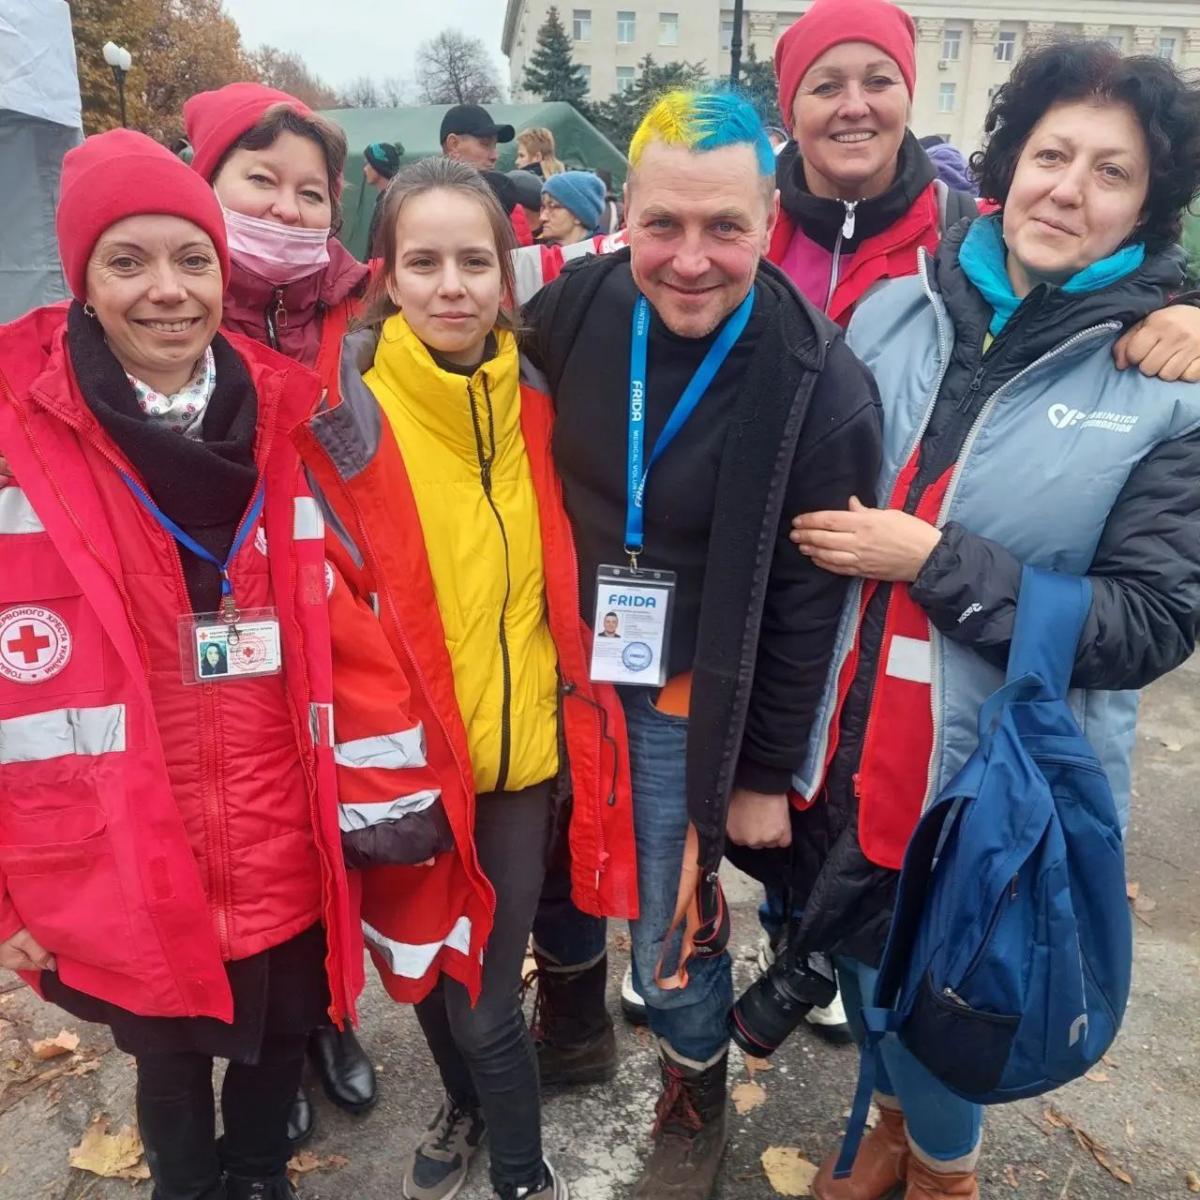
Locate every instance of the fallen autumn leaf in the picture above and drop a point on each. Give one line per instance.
(747, 1097)
(788, 1171)
(110, 1155)
(65, 1043)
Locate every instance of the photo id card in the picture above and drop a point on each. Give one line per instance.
(633, 625)
(214, 651)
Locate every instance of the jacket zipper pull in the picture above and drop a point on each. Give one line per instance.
(969, 395)
(848, 223)
(276, 318)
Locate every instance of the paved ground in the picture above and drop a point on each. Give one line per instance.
(1141, 1111)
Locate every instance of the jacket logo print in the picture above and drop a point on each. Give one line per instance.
(35, 644)
(1062, 416)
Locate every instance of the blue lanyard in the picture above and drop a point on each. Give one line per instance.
(706, 372)
(228, 607)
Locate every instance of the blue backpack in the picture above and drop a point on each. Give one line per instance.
(1007, 965)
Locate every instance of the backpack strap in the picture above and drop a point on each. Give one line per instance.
(953, 205)
(1051, 611)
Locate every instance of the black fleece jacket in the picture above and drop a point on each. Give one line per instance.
(802, 433)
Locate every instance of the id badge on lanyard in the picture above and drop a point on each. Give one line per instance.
(633, 625)
(231, 643)
(634, 605)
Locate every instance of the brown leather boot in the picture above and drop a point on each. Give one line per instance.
(924, 1183)
(572, 1031)
(689, 1132)
(880, 1166)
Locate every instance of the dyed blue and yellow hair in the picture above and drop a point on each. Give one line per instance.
(704, 121)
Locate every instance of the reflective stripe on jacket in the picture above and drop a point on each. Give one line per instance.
(393, 672)
(151, 829)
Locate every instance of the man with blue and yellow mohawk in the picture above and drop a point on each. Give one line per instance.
(700, 402)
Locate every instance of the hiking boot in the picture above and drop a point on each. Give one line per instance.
(689, 1131)
(551, 1188)
(277, 1188)
(633, 1004)
(924, 1183)
(572, 1031)
(438, 1166)
(880, 1167)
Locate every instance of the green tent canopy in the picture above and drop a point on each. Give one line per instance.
(579, 144)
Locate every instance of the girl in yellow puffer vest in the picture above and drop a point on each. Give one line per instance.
(437, 467)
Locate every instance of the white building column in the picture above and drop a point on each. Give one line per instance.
(1191, 49)
(926, 117)
(980, 70)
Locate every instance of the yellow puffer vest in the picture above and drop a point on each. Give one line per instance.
(465, 457)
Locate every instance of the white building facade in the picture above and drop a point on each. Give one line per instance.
(964, 51)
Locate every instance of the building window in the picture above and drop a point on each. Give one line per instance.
(946, 94)
(726, 33)
(626, 28)
(1116, 41)
(586, 71)
(625, 79)
(581, 25)
(1006, 47)
(952, 45)
(668, 29)
(1166, 48)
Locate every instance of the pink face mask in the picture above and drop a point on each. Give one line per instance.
(278, 253)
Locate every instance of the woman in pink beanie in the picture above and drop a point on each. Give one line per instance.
(276, 168)
(859, 198)
(170, 858)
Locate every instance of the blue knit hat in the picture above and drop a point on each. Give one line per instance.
(581, 192)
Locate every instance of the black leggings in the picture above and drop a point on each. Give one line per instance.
(484, 1054)
(178, 1122)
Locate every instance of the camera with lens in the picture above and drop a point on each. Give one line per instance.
(770, 1008)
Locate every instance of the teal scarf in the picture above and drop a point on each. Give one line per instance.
(982, 258)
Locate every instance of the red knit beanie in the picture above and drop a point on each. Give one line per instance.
(829, 23)
(122, 174)
(215, 120)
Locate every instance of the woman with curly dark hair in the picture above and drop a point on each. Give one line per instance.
(1011, 438)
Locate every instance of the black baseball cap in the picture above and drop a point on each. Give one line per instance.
(475, 121)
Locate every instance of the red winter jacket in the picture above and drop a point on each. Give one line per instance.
(152, 830)
(399, 729)
(298, 312)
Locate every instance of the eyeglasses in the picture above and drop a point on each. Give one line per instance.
(550, 207)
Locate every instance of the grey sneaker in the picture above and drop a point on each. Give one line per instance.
(438, 1166)
(552, 1188)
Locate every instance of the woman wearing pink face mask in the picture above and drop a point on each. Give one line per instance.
(276, 168)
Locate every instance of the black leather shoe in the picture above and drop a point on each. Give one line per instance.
(301, 1119)
(346, 1072)
(279, 1188)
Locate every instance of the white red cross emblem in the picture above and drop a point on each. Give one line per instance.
(35, 644)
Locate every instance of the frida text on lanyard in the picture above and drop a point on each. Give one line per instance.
(633, 605)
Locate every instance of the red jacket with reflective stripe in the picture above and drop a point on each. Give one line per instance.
(151, 830)
(395, 698)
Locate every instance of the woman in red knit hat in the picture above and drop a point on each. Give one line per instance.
(169, 827)
(859, 198)
(276, 168)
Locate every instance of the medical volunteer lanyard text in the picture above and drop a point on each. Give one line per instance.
(706, 372)
(228, 611)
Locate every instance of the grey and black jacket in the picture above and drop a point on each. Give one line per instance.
(1059, 460)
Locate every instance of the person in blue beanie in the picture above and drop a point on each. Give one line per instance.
(572, 204)
(381, 160)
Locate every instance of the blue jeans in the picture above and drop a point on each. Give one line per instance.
(943, 1125)
(691, 1020)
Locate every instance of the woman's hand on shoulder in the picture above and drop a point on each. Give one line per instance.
(1165, 345)
(873, 543)
(22, 952)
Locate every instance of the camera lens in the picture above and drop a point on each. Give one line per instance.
(771, 1007)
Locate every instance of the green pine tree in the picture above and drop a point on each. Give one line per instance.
(757, 83)
(619, 116)
(551, 72)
